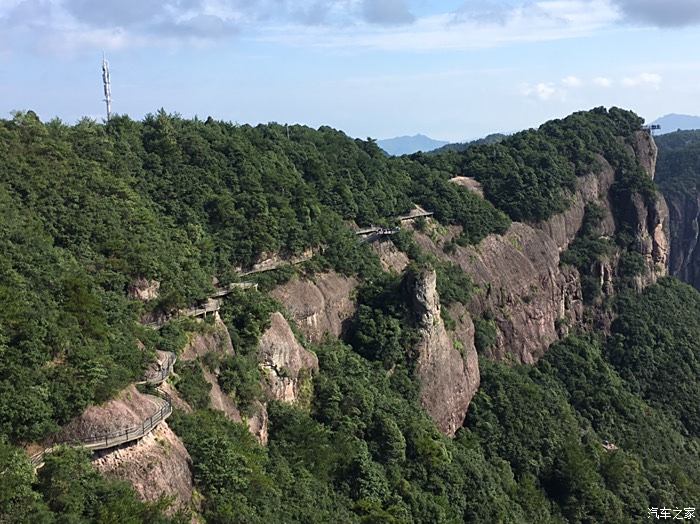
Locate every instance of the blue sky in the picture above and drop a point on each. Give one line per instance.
(453, 69)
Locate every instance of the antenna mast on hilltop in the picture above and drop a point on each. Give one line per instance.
(107, 86)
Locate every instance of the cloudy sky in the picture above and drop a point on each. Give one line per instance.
(453, 69)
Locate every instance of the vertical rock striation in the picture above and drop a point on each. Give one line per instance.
(449, 379)
(321, 306)
(533, 298)
(684, 211)
(287, 365)
(287, 370)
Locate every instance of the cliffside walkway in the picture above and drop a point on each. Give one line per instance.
(118, 437)
(372, 233)
(416, 213)
(272, 263)
(211, 304)
(156, 378)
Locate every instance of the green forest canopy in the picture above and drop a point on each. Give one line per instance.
(88, 208)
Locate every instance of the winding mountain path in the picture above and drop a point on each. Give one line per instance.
(111, 439)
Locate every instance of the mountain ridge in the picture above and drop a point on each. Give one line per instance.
(408, 144)
(677, 122)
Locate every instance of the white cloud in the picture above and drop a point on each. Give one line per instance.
(550, 20)
(651, 80)
(571, 81)
(602, 81)
(543, 91)
(374, 24)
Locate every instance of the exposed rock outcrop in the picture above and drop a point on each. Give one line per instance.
(287, 365)
(270, 261)
(219, 400)
(143, 289)
(287, 370)
(390, 257)
(212, 339)
(684, 209)
(319, 306)
(449, 379)
(472, 184)
(522, 284)
(158, 465)
(258, 422)
(651, 237)
(645, 150)
(129, 408)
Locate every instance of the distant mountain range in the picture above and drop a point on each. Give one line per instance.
(405, 145)
(673, 122)
(463, 146)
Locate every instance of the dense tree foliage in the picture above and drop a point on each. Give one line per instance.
(576, 438)
(530, 175)
(192, 385)
(89, 208)
(69, 490)
(678, 166)
(655, 348)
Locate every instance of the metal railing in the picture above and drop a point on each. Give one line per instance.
(110, 439)
(223, 291)
(114, 438)
(158, 377)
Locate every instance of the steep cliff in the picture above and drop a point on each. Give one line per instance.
(319, 306)
(448, 377)
(684, 208)
(287, 369)
(210, 339)
(285, 362)
(679, 180)
(214, 339)
(392, 259)
(157, 465)
(531, 296)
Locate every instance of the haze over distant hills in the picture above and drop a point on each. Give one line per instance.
(405, 145)
(673, 122)
(462, 146)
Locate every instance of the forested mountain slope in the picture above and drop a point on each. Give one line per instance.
(366, 424)
(678, 178)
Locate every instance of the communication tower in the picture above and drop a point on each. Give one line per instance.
(107, 86)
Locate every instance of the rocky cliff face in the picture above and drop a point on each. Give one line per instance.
(684, 211)
(143, 289)
(391, 259)
(158, 465)
(449, 377)
(287, 370)
(522, 284)
(212, 339)
(287, 365)
(129, 408)
(319, 306)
